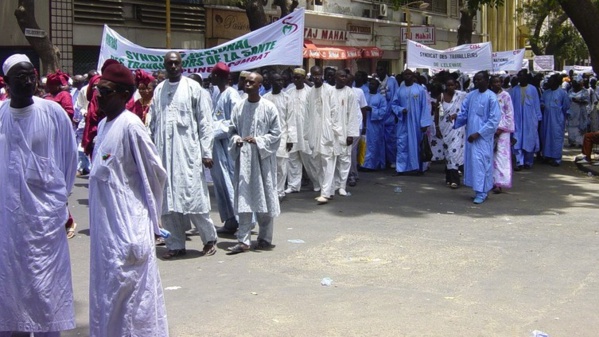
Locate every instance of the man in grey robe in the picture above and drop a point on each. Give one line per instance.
(222, 170)
(181, 128)
(256, 134)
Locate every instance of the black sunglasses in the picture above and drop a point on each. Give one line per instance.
(103, 91)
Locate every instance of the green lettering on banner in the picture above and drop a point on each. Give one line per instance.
(111, 41)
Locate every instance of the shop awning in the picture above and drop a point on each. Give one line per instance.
(371, 52)
(330, 52)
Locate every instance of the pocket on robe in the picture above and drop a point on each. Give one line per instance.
(45, 182)
(102, 170)
(183, 115)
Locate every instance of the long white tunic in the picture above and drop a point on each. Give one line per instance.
(181, 128)
(298, 134)
(39, 159)
(256, 164)
(321, 119)
(348, 119)
(125, 198)
(281, 101)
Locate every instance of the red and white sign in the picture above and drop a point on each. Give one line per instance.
(421, 34)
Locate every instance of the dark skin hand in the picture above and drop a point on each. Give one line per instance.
(349, 140)
(207, 162)
(288, 146)
(473, 137)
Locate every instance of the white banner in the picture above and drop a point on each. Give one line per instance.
(543, 63)
(279, 43)
(466, 58)
(511, 60)
(579, 69)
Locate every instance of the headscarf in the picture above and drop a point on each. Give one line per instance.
(90, 87)
(58, 78)
(143, 77)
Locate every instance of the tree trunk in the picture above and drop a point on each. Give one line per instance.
(254, 9)
(465, 30)
(584, 14)
(49, 55)
(287, 7)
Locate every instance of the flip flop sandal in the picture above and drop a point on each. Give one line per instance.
(71, 231)
(208, 250)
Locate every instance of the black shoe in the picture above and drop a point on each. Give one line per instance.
(225, 230)
(263, 245)
(527, 167)
(518, 168)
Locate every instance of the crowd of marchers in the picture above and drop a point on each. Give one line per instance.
(152, 143)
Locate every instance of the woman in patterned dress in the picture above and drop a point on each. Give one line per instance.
(451, 141)
(502, 157)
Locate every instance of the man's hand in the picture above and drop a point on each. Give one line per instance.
(239, 142)
(250, 140)
(404, 111)
(349, 140)
(453, 117)
(498, 133)
(207, 162)
(473, 137)
(289, 146)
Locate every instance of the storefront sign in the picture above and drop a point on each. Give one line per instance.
(421, 34)
(280, 43)
(325, 34)
(229, 24)
(366, 30)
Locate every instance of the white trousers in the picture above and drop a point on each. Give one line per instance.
(281, 175)
(296, 161)
(342, 168)
(246, 223)
(177, 224)
(327, 175)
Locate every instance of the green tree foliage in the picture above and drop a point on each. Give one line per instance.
(552, 32)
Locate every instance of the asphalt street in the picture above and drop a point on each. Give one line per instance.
(407, 256)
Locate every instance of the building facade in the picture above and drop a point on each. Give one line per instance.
(354, 34)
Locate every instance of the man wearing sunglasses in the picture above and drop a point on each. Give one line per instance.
(39, 160)
(125, 198)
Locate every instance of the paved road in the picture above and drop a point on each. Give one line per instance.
(422, 262)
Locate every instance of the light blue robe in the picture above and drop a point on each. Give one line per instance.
(388, 90)
(375, 132)
(527, 114)
(223, 164)
(414, 99)
(480, 113)
(556, 104)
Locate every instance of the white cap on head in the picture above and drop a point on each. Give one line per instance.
(13, 60)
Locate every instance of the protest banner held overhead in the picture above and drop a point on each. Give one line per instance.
(543, 63)
(511, 60)
(279, 43)
(466, 58)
